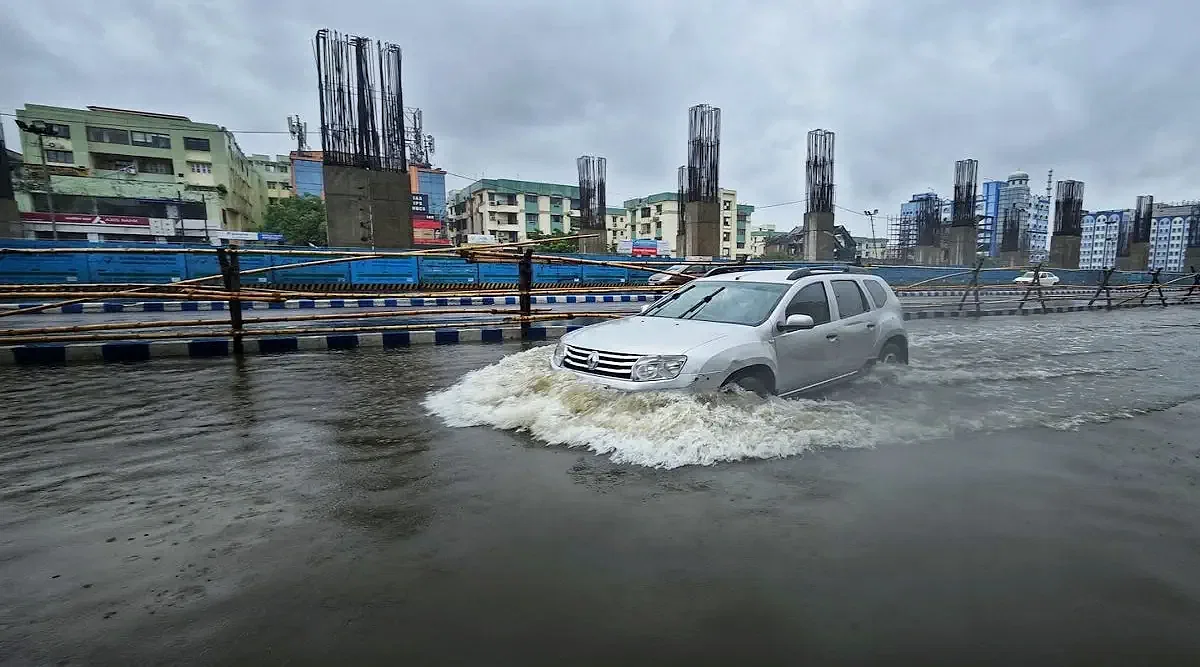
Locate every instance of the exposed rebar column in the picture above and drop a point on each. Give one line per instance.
(702, 235)
(963, 238)
(819, 234)
(929, 231)
(681, 202)
(592, 206)
(1068, 225)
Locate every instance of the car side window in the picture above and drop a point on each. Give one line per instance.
(850, 298)
(878, 293)
(811, 300)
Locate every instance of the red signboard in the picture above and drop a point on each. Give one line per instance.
(85, 219)
(419, 223)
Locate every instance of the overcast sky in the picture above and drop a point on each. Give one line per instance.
(1099, 90)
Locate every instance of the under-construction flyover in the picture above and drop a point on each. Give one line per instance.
(704, 153)
(818, 172)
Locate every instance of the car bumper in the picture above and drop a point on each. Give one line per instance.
(682, 382)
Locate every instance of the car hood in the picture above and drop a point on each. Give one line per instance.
(651, 335)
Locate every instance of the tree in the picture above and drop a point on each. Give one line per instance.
(301, 220)
(554, 242)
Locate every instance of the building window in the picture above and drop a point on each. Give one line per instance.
(59, 130)
(107, 135)
(155, 165)
(556, 201)
(556, 219)
(196, 144)
(646, 212)
(200, 167)
(283, 168)
(658, 209)
(61, 157)
(531, 218)
(150, 139)
(725, 237)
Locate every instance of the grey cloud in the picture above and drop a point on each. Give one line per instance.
(1099, 90)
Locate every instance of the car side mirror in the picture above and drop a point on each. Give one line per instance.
(796, 322)
(644, 308)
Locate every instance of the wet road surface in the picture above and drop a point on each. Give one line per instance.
(1028, 492)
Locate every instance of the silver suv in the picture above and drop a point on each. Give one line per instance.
(779, 331)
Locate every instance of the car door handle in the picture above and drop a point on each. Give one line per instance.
(830, 336)
(870, 325)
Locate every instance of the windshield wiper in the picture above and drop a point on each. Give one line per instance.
(659, 304)
(699, 304)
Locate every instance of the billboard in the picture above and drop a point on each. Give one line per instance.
(646, 248)
(420, 204)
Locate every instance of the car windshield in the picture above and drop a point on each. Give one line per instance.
(730, 302)
(1027, 274)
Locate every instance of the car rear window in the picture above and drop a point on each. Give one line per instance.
(878, 293)
(850, 298)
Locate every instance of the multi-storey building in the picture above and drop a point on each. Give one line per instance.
(758, 238)
(1102, 236)
(509, 210)
(657, 217)
(871, 248)
(615, 221)
(1034, 232)
(431, 182)
(308, 173)
(116, 174)
(1171, 227)
(277, 175)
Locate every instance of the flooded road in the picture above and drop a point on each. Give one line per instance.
(1027, 492)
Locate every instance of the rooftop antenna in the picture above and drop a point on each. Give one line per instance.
(299, 131)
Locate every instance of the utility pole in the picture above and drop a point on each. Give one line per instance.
(42, 130)
(871, 216)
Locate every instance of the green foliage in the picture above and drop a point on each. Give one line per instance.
(554, 242)
(301, 220)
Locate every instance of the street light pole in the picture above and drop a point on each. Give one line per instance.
(42, 130)
(871, 216)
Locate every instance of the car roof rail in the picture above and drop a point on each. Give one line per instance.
(738, 268)
(817, 270)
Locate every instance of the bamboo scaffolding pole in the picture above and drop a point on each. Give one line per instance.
(554, 259)
(201, 296)
(356, 254)
(227, 332)
(172, 324)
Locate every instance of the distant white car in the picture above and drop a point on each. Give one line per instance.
(1046, 279)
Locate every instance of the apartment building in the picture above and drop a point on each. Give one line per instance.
(277, 175)
(657, 217)
(509, 209)
(118, 174)
(1173, 227)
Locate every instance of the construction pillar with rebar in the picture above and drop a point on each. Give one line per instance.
(1014, 245)
(1191, 257)
(681, 200)
(929, 232)
(702, 210)
(592, 205)
(963, 239)
(1068, 225)
(819, 234)
(1138, 256)
(367, 191)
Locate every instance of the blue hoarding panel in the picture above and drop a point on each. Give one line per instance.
(399, 271)
(555, 273)
(498, 273)
(200, 266)
(330, 274)
(603, 274)
(136, 268)
(457, 271)
(39, 269)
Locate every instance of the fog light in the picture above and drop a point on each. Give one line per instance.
(657, 368)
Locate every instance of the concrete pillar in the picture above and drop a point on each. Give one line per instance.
(1014, 258)
(365, 203)
(703, 234)
(596, 246)
(1064, 252)
(927, 255)
(1191, 259)
(818, 238)
(10, 219)
(962, 245)
(1139, 257)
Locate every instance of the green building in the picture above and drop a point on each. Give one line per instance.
(116, 174)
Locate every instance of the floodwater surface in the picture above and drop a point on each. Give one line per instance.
(1026, 493)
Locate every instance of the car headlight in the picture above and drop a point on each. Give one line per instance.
(657, 367)
(559, 352)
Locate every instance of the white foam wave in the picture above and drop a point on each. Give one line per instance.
(656, 429)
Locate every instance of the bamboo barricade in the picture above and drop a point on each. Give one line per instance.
(294, 331)
(171, 324)
(353, 256)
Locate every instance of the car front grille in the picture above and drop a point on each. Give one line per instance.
(608, 364)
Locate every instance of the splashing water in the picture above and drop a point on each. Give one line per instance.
(656, 429)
